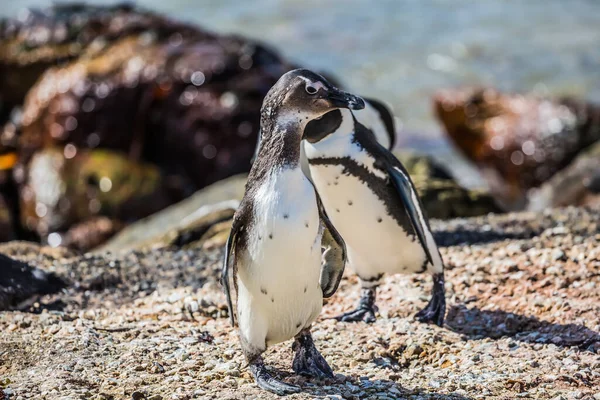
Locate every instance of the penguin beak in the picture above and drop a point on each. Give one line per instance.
(341, 99)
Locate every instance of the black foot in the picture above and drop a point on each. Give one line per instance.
(308, 361)
(266, 381)
(365, 311)
(435, 311)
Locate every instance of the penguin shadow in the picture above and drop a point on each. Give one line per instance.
(349, 388)
(475, 324)
(461, 236)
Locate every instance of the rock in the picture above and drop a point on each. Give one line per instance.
(184, 221)
(138, 396)
(60, 192)
(20, 281)
(91, 233)
(577, 184)
(168, 92)
(155, 90)
(6, 222)
(29, 251)
(39, 40)
(441, 196)
(517, 141)
(206, 216)
(8, 194)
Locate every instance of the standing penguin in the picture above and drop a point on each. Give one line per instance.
(273, 254)
(372, 202)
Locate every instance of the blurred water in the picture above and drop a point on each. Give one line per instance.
(402, 51)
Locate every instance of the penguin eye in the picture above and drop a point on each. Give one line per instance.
(311, 89)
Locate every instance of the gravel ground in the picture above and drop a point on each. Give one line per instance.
(523, 322)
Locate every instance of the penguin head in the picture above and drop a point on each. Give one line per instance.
(305, 95)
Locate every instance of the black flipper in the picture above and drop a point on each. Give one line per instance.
(308, 361)
(412, 204)
(334, 257)
(228, 264)
(436, 309)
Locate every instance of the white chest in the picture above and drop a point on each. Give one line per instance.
(376, 242)
(279, 278)
(285, 226)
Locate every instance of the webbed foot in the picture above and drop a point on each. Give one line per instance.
(308, 361)
(435, 310)
(365, 311)
(266, 381)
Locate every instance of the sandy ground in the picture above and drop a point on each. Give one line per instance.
(523, 322)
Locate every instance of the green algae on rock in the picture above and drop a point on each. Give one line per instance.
(441, 196)
(61, 191)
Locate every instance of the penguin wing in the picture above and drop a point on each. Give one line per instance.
(228, 278)
(406, 189)
(334, 256)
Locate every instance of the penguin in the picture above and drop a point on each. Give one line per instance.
(373, 204)
(376, 116)
(275, 274)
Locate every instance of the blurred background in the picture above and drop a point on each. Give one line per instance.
(528, 73)
(403, 51)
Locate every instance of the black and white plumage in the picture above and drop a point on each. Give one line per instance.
(376, 116)
(372, 202)
(274, 252)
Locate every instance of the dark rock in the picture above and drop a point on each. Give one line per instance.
(169, 93)
(54, 36)
(6, 223)
(159, 91)
(8, 195)
(517, 141)
(138, 396)
(20, 281)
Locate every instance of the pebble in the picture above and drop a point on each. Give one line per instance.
(494, 331)
(138, 396)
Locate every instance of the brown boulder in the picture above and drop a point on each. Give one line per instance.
(164, 92)
(159, 92)
(517, 141)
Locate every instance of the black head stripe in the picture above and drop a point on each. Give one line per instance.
(386, 117)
